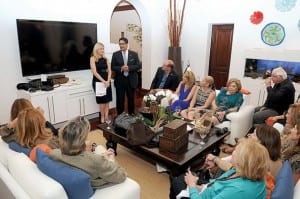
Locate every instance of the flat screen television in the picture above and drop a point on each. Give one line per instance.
(52, 46)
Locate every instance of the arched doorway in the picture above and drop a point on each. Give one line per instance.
(145, 47)
(126, 22)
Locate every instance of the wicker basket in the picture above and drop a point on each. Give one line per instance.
(203, 124)
(173, 145)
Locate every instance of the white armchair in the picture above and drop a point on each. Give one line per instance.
(239, 122)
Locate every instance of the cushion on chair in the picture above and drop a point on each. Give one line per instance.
(245, 91)
(18, 148)
(75, 182)
(43, 147)
(284, 183)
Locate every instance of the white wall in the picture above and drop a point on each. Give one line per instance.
(199, 16)
(118, 24)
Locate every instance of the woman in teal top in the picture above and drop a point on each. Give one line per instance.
(246, 181)
(228, 100)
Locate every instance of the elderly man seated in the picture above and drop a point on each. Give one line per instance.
(165, 78)
(280, 96)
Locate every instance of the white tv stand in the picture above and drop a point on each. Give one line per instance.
(66, 101)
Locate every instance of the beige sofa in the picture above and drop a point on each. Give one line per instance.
(20, 178)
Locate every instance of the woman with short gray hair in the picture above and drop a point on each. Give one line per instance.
(72, 137)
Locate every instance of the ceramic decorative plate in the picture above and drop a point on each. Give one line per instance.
(285, 5)
(273, 34)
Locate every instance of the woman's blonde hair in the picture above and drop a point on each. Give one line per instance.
(211, 82)
(236, 81)
(31, 128)
(18, 106)
(73, 134)
(295, 113)
(294, 150)
(252, 160)
(190, 76)
(96, 47)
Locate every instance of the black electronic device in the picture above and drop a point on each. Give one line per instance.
(221, 131)
(47, 88)
(23, 86)
(35, 85)
(53, 46)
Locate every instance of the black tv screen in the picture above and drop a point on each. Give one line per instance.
(52, 46)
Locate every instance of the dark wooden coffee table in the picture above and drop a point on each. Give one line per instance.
(178, 162)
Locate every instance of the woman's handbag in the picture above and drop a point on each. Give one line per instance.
(133, 128)
(123, 122)
(139, 134)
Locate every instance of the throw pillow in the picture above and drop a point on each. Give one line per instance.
(18, 148)
(284, 183)
(75, 182)
(43, 147)
(245, 91)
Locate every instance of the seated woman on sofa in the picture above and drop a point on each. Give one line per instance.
(202, 99)
(228, 100)
(251, 162)
(281, 122)
(31, 129)
(185, 92)
(72, 138)
(291, 149)
(268, 136)
(7, 132)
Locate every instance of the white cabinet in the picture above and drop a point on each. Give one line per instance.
(52, 103)
(66, 101)
(81, 102)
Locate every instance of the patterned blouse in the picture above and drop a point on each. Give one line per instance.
(291, 152)
(202, 97)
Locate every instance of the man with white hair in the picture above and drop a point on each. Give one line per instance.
(280, 96)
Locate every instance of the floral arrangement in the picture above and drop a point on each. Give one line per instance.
(158, 96)
(175, 22)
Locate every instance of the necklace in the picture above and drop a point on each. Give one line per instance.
(234, 175)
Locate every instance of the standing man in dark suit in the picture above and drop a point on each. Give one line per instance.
(165, 78)
(125, 63)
